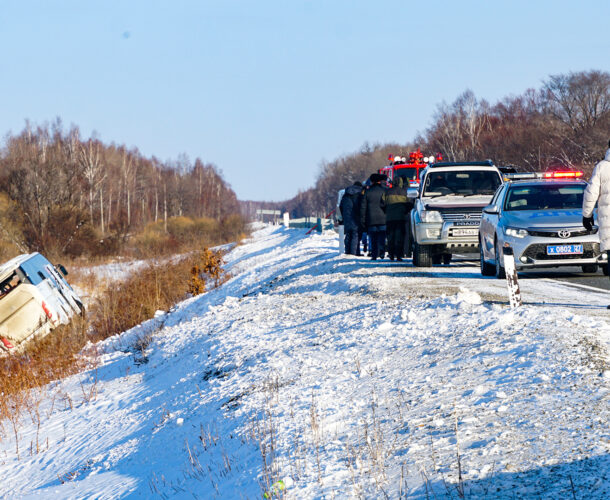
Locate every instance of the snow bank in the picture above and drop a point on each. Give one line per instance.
(343, 378)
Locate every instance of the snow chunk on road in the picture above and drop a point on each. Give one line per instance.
(469, 297)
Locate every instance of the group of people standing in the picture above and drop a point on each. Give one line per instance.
(378, 216)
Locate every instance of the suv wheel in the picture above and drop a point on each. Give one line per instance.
(589, 268)
(422, 255)
(486, 268)
(500, 274)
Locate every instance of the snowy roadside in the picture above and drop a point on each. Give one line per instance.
(361, 379)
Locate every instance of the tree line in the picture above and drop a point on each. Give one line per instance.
(62, 193)
(565, 122)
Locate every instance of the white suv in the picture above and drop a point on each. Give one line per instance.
(447, 211)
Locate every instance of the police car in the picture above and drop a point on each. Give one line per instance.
(539, 216)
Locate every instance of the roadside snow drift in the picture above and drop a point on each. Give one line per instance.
(314, 375)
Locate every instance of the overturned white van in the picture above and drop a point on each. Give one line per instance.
(34, 299)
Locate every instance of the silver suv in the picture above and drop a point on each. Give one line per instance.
(447, 212)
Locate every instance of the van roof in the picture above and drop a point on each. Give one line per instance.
(9, 267)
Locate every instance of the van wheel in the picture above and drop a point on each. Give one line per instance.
(422, 255)
(605, 269)
(447, 258)
(589, 268)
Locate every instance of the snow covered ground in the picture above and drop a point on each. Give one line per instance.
(344, 377)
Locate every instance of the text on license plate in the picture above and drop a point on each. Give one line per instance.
(563, 249)
(463, 231)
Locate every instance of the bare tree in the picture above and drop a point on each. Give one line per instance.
(92, 170)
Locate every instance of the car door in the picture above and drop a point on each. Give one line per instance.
(489, 222)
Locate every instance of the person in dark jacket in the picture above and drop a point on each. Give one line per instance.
(397, 206)
(350, 211)
(372, 215)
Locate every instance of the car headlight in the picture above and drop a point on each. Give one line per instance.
(431, 216)
(516, 232)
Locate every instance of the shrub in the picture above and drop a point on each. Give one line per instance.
(156, 287)
(11, 236)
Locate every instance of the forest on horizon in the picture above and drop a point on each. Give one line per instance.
(564, 122)
(63, 194)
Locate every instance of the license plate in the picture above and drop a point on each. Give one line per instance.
(465, 231)
(564, 249)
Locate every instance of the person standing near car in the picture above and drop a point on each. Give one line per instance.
(372, 215)
(350, 210)
(598, 191)
(396, 206)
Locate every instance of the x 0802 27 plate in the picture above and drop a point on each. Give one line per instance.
(564, 249)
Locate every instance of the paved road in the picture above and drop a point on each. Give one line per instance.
(572, 275)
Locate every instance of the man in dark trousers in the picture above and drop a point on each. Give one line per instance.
(372, 215)
(350, 211)
(397, 206)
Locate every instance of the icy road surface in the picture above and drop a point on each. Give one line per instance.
(343, 377)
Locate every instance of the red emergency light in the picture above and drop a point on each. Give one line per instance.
(566, 174)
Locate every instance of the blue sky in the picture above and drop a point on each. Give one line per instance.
(267, 90)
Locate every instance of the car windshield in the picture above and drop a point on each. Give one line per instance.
(549, 196)
(462, 183)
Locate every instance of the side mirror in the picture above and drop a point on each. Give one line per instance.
(412, 192)
(491, 210)
(62, 269)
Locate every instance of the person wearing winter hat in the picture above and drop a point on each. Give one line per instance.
(350, 210)
(598, 191)
(396, 206)
(372, 215)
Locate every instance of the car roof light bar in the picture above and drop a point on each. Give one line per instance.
(566, 174)
(518, 176)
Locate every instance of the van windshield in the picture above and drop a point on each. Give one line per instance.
(8, 285)
(408, 173)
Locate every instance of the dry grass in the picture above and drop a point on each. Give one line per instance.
(180, 234)
(156, 287)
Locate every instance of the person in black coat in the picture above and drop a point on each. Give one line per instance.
(372, 215)
(350, 211)
(397, 206)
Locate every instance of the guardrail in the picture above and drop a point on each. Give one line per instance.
(311, 222)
